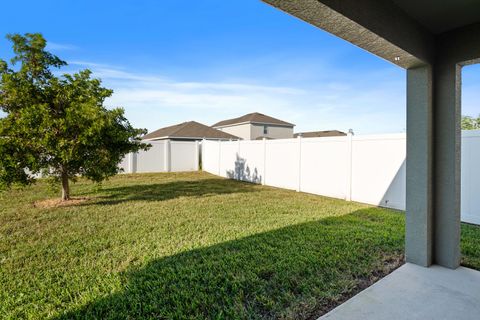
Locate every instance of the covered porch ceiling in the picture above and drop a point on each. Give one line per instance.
(441, 16)
(405, 32)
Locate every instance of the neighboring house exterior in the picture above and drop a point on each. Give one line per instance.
(255, 126)
(189, 131)
(319, 134)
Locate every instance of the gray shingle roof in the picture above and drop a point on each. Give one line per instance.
(191, 129)
(317, 134)
(253, 118)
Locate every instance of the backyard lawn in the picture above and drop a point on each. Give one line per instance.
(192, 246)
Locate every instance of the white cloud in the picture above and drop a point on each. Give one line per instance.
(60, 46)
(372, 103)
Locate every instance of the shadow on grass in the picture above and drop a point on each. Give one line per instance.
(297, 272)
(171, 190)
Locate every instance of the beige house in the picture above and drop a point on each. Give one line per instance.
(255, 126)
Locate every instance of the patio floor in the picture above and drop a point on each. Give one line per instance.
(414, 292)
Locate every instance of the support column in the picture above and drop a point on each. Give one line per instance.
(447, 144)
(419, 216)
(433, 165)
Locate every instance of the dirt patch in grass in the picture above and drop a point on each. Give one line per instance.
(57, 203)
(390, 264)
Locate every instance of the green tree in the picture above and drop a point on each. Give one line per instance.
(57, 126)
(470, 123)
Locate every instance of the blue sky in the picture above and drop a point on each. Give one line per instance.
(170, 61)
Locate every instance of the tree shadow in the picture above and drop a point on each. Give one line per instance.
(296, 272)
(243, 172)
(170, 190)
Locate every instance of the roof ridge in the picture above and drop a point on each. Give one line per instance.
(180, 127)
(253, 117)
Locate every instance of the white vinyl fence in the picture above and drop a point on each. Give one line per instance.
(367, 169)
(164, 156)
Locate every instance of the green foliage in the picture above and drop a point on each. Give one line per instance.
(470, 123)
(57, 125)
(470, 242)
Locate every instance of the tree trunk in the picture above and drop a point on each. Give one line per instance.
(65, 187)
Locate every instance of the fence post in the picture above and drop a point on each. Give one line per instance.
(166, 156)
(132, 162)
(299, 172)
(264, 161)
(197, 156)
(219, 155)
(348, 191)
(202, 154)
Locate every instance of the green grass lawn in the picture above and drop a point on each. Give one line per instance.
(192, 246)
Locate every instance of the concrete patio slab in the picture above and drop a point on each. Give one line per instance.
(414, 292)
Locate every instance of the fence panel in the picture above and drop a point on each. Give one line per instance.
(210, 156)
(183, 156)
(251, 162)
(324, 166)
(470, 176)
(282, 163)
(378, 170)
(125, 164)
(163, 156)
(152, 160)
(229, 158)
(367, 169)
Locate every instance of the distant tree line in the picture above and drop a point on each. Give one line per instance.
(470, 123)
